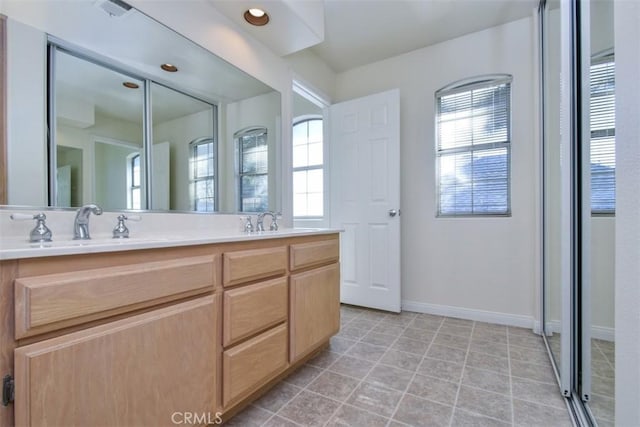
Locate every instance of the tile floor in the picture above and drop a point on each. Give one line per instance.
(412, 369)
(603, 401)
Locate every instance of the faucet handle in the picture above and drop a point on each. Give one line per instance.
(40, 233)
(248, 225)
(274, 221)
(121, 231)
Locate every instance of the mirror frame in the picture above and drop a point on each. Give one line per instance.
(3, 110)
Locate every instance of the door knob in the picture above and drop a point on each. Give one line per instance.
(392, 212)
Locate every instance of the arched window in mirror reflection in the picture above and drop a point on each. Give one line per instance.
(134, 195)
(203, 176)
(253, 169)
(308, 191)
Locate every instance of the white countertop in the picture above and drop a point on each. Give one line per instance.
(152, 230)
(21, 248)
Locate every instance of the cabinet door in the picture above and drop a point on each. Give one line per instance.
(315, 308)
(131, 372)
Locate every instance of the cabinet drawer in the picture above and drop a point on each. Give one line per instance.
(251, 364)
(250, 309)
(245, 266)
(314, 253)
(50, 302)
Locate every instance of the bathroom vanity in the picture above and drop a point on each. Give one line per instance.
(133, 336)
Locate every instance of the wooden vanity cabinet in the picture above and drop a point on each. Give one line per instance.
(130, 338)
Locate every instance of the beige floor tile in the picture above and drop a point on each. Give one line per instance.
(386, 376)
(350, 416)
(529, 414)
(324, 359)
(485, 403)
(415, 411)
(433, 389)
(352, 367)
(250, 417)
(365, 351)
(463, 418)
(410, 346)
(499, 365)
(309, 409)
(376, 399)
(333, 385)
(486, 380)
(402, 360)
(537, 392)
(442, 369)
(303, 376)
(376, 338)
(449, 354)
(278, 396)
(278, 421)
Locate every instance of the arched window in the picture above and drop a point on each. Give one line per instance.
(473, 146)
(308, 173)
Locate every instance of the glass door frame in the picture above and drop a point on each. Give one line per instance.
(574, 367)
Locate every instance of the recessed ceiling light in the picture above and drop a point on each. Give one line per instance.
(257, 17)
(130, 85)
(169, 67)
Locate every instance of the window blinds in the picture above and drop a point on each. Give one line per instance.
(473, 148)
(602, 119)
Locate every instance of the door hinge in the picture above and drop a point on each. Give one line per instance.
(8, 390)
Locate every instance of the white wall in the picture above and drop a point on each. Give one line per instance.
(316, 74)
(105, 129)
(627, 269)
(26, 155)
(463, 266)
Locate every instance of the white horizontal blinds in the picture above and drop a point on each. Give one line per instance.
(473, 148)
(602, 114)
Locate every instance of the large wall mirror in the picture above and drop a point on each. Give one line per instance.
(93, 118)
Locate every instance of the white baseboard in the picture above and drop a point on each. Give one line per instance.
(471, 314)
(597, 332)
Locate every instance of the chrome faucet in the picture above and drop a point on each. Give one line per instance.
(274, 221)
(81, 223)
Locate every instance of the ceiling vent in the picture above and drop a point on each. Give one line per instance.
(115, 8)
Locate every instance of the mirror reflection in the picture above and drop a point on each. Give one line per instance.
(121, 131)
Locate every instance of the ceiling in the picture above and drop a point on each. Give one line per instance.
(359, 32)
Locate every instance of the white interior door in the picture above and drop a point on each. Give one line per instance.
(365, 198)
